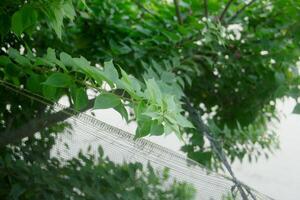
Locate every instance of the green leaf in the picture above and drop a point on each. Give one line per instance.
(50, 92)
(107, 100)
(297, 109)
(153, 91)
(182, 121)
(156, 128)
(122, 110)
(4, 60)
(33, 83)
(143, 129)
(12, 70)
(66, 59)
(201, 157)
(51, 56)
(83, 65)
(152, 114)
(80, 98)
(55, 13)
(69, 10)
(23, 19)
(110, 71)
(130, 84)
(15, 54)
(59, 80)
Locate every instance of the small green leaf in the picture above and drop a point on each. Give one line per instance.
(51, 56)
(69, 10)
(110, 71)
(59, 80)
(182, 121)
(80, 98)
(83, 65)
(297, 109)
(23, 19)
(143, 129)
(201, 157)
(66, 59)
(4, 60)
(12, 70)
(152, 114)
(50, 92)
(106, 100)
(153, 91)
(33, 83)
(55, 16)
(130, 84)
(15, 54)
(122, 110)
(156, 128)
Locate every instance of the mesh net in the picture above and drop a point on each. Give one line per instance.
(85, 133)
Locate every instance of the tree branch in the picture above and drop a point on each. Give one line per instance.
(205, 8)
(240, 11)
(177, 10)
(197, 121)
(225, 10)
(149, 11)
(38, 124)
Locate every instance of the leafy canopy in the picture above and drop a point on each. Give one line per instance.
(141, 62)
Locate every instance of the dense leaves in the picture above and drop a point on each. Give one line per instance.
(82, 177)
(232, 67)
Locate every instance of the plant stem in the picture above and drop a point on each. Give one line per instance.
(177, 10)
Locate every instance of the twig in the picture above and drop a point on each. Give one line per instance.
(240, 11)
(225, 10)
(177, 10)
(205, 8)
(70, 99)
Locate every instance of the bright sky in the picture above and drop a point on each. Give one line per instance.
(278, 176)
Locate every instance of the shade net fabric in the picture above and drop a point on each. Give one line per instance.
(85, 133)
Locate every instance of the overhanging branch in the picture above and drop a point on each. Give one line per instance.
(205, 5)
(240, 11)
(177, 10)
(225, 10)
(216, 147)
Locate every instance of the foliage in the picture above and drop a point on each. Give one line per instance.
(231, 69)
(82, 177)
(30, 169)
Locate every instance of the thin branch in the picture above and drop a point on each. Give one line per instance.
(205, 8)
(70, 99)
(177, 10)
(38, 124)
(225, 10)
(240, 11)
(141, 6)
